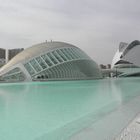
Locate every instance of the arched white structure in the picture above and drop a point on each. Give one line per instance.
(50, 61)
(128, 53)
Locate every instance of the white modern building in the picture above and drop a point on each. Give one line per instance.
(127, 59)
(50, 61)
(127, 54)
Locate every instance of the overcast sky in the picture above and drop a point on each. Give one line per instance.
(95, 26)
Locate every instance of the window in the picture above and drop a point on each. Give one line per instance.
(80, 53)
(15, 70)
(35, 65)
(14, 77)
(46, 59)
(41, 63)
(29, 68)
(62, 56)
(73, 53)
(76, 52)
(66, 53)
(52, 58)
(20, 76)
(57, 56)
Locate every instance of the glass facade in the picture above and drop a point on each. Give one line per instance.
(35, 65)
(14, 75)
(62, 55)
(69, 70)
(46, 59)
(41, 63)
(29, 68)
(57, 56)
(53, 58)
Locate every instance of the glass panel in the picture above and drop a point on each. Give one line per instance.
(70, 53)
(29, 68)
(66, 53)
(41, 63)
(15, 77)
(81, 53)
(52, 58)
(62, 56)
(20, 76)
(15, 70)
(73, 53)
(35, 65)
(57, 56)
(47, 60)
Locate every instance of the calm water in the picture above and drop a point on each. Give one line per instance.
(57, 110)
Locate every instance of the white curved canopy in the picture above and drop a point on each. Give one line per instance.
(130, 53)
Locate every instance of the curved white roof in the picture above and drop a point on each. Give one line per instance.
(133, 55)
(129, 53)
(131, 46)
(116, 58)
(34, 51)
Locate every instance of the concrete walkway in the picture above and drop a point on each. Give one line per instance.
(132, 131)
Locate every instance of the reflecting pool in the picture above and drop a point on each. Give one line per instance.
(59, 110)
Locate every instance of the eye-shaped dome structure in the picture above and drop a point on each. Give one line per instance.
(50, 61)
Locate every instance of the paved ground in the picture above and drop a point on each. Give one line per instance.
(132, 131)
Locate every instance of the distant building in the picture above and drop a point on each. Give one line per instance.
(127, 55)
(106, 70)
(102, 66)
(6, 55)
(13, 52)
(2, 53)
(127, 59)
(2, 56)
(108, 66)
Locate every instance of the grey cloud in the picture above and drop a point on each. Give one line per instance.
(95, 26)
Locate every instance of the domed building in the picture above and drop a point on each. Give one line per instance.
(50, 61)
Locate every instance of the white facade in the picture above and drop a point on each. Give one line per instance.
(130, 53)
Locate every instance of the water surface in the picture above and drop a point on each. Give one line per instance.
(57, 110)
